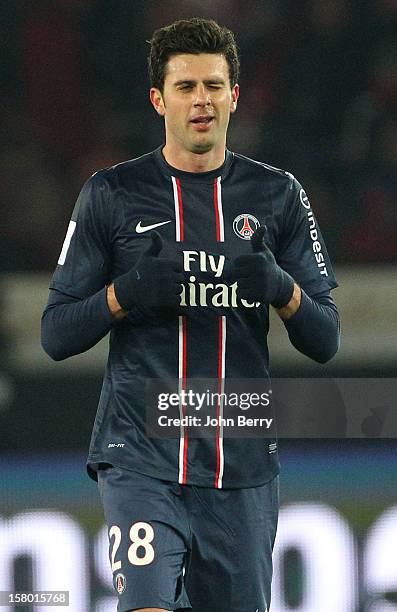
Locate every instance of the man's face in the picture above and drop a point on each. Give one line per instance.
(196, 102)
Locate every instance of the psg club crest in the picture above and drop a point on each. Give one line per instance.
(120, 583)
(244, 226)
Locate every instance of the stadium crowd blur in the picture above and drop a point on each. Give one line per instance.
(318, 98)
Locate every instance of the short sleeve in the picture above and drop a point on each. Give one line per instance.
(84, 262)
(301, 249)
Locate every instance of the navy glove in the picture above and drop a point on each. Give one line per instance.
(259, 277)
(153, 285)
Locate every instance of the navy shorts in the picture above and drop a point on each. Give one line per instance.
(182, 547)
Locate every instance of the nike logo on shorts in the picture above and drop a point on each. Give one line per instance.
(140, 229)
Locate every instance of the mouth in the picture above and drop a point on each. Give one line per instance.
(202, 122)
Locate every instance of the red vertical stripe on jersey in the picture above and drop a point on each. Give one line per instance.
(184, 341)
(216, 205)
(220, 374)
(180, 204)
(184, 376)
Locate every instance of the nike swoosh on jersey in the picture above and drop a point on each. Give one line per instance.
(140, 229)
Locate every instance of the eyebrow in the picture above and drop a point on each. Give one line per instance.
(214, 81)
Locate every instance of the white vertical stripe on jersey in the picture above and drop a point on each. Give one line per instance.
(220, 211)
(176, 205)
(180, 384)
(66, 242)
(223, 355)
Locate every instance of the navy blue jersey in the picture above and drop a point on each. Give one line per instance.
(205, 220)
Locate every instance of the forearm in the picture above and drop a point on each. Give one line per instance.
(292, 307)
(314, 328)
(113, 304)
(70, 326)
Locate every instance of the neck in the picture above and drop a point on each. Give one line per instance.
(194, 162)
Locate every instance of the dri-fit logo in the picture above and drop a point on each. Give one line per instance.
(313, 234)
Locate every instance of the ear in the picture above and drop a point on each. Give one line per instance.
(156, 99)
(235, 96)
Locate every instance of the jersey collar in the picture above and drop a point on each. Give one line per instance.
(193, 177)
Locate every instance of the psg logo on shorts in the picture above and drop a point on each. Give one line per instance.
(244, 226)
(120, 583)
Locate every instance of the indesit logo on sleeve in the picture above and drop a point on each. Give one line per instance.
(317, 248)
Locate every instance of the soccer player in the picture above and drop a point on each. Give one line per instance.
(179, 254)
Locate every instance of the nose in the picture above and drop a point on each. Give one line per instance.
(203, 97)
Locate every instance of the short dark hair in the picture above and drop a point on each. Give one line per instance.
(195, 35)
